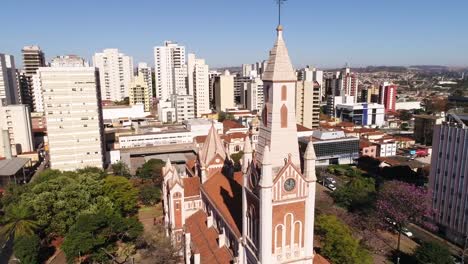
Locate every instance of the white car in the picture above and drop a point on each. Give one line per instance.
(331, 180)
(406, 232)
(331, 187)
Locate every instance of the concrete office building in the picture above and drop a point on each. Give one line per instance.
(361, 114)
(184, 107)
(198, 84)
(224, 91)
(33, 58)
(343, 84)
(72, 105)
(166, 112)
(140, 92)
(448, 179)
(167, 58)
(16, 121)
(424, 128)
(212, 78)
(115, 74)
(308, 103)
(9, 91)
(332, 147)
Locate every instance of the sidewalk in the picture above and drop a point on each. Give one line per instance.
(427, 236)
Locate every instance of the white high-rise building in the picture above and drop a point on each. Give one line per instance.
(198, 84)
(166, 59)
(16, 119)
(115, 74)
(224, 91)
(180, 80)
(72, 105)
(252, 95)
(145, 70)
(9, 92)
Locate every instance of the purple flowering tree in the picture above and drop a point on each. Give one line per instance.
(400, 203)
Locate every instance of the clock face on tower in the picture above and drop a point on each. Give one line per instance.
(289, 184)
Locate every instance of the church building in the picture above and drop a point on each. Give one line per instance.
(261, 214)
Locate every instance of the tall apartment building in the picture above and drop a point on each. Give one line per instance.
(184, 107)
(9, 92)
(308, 103)
(145, 70)
(16, 120)
(166, 59)
(370, 95)
(72, 105)
(343, 84)
(198, 84)
(252, 94)
(313, 75)
(424, 128)
(115, 74)
(224, 91)
(387, 96)
(180, 81)
(140, 93)
(33, 58)
(212, 78)
(448, 177)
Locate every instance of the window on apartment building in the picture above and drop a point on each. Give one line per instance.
(74, 89)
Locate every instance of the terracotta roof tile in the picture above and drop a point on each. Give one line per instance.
(301, 128)
(204, 240)
(237, 135)
(191, 186)
(318, 259)
(226, 195)
(229, 124)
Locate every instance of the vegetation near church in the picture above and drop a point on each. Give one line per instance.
(94, 213)
(432, 253)
(338, 243)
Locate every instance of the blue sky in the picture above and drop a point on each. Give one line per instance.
(229, 33)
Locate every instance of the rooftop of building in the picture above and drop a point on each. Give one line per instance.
(225, 194)
(301, 128)
(231, 124)
(204, 240)
(9, 167)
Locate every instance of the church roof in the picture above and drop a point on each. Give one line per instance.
(279, 67)
(191, 186)
(212, 146)
(225, 194)
(204, 240)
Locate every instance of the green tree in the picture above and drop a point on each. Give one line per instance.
(18, 221)
(358, 192)
(150, 195)
(95, 235)
(121, 169)
(432, 253)
(236, 157)
(404, 126)
(158, 248)
(151, 170)
(122, 193)
(405, 115)
(27, 249)
(339, 245)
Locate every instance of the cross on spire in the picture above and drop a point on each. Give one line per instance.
(279, 3)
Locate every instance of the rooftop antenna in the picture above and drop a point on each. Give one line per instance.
(280, 3)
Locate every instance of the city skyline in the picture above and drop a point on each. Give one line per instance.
(395, 33)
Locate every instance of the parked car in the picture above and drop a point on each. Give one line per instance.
(406, 232)
(331, 180)
(331, 187)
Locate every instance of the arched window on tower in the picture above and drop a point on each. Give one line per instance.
(284, 116)
(284, 93)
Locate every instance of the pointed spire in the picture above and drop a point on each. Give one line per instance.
(247, 144)
(212, 146)
(168, 163)
(279, 67)
(266, 156)
(310, 152)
